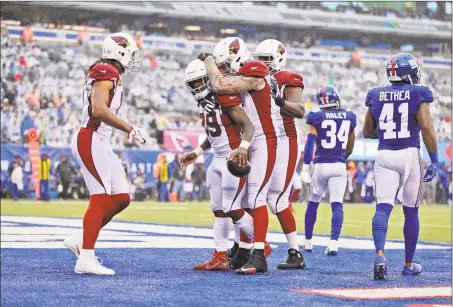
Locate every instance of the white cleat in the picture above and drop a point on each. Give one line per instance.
(91, 265)
(332, 248)
(308, 246)
(74, 243)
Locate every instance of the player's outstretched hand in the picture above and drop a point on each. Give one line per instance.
(430, 173)
(242, 155)
(139, 135)
(305, 174)
(187, 159)
(202, 56)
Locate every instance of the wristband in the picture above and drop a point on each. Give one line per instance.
(434, 157)
(280, 102)
(198, 151)
(244, 144)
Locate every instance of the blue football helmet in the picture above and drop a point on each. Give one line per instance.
(328, 97)
(403, 67)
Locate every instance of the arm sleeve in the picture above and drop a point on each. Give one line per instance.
(311, 118)
(369, 98)
(426, 95)
(102, 72)
(227, 101)
(309, 146)
(353, 119)
(254, 69)
(289, 78)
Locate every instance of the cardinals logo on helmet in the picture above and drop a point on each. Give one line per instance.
(234, 47)
(121, 41)
(281, 49)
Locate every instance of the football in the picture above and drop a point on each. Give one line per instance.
(236, 170)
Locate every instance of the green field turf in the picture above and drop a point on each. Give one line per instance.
(435, 220)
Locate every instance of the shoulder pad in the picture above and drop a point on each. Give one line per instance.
(314, 117)
(426, 95)
(104, 72)
(253, 69)
(289, 78)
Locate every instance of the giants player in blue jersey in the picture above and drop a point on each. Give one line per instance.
(332, 129)
(396, 115)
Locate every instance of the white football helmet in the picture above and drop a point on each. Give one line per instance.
(123, 48)
(272, 53)
(230, 53)
(197, 79)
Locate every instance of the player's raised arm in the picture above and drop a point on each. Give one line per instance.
(292, 103)
(238, 116)
(369, 127)
(429, 138)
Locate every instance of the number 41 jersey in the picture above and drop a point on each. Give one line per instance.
(394, 108)
(333, 127)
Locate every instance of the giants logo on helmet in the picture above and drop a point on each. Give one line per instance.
(234, 46)
(281, 49)
(121, 41)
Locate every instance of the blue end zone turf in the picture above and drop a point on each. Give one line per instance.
(164, 276)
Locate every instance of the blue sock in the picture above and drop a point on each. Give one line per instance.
(411, 230)
(310, 218)
(337, 220)
(380, 224)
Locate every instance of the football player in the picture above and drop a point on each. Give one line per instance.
(288, 105)
(229, 131)
(101, 168)
(396, 115)
(250, 80)
(332, 130)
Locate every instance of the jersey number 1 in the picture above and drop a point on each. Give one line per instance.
(387, 123)
(332, 133)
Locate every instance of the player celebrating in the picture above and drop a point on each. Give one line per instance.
(223, 119)
(332, 129)
(396, 114)
(286, 108)
(249, 79)
(101, 168)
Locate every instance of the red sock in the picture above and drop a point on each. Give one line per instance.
(92, 220)
(287, 221)
(117, 203)
(294, 196)
(260, 223)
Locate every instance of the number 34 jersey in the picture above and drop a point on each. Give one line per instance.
(333, 128)
(223, 134)
(394, 108)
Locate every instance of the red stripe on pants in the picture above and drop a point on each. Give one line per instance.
(84, 143)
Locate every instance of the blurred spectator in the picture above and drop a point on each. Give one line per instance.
(369, 183)
(16, 180)
(17, 160)
(124, 163)
(162, 179)
(27, 35)
(179, 177)
(26, 124)
(45, 170)
(66, 173)
(138, 183)
(33, 100)
(199, 182)
(359, 178)
(80, 186)
(5, 136)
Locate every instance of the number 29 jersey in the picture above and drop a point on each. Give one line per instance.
(223, 134)
(333, 127)
(394, 108)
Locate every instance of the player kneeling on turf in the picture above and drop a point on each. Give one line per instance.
(332, 129)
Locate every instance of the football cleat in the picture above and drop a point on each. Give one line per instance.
(415, 270)
(308, 246)
(267, 249)
(256, 264)
(332, 248)
(74, 244)
(295, 261)
(240, 258)
(380, 268)
(218, 262)
(232, 251)
(91, 265)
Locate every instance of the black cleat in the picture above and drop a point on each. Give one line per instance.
(232, 251)
(240, 258)
(256, 264)
(295, 261)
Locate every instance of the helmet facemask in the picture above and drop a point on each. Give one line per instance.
(267, 59)
(199, 87)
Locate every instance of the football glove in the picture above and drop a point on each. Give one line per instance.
(305, 174)
(275, 92)
(202, 56)
(139, 135)
(431, 172)
(208, 103)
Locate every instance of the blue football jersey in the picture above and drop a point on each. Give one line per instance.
(394, 108)
(333, 128)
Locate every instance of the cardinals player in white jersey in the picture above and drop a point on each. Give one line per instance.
(288, 106)
(249, 79)
(101, 168)
(229, 131)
